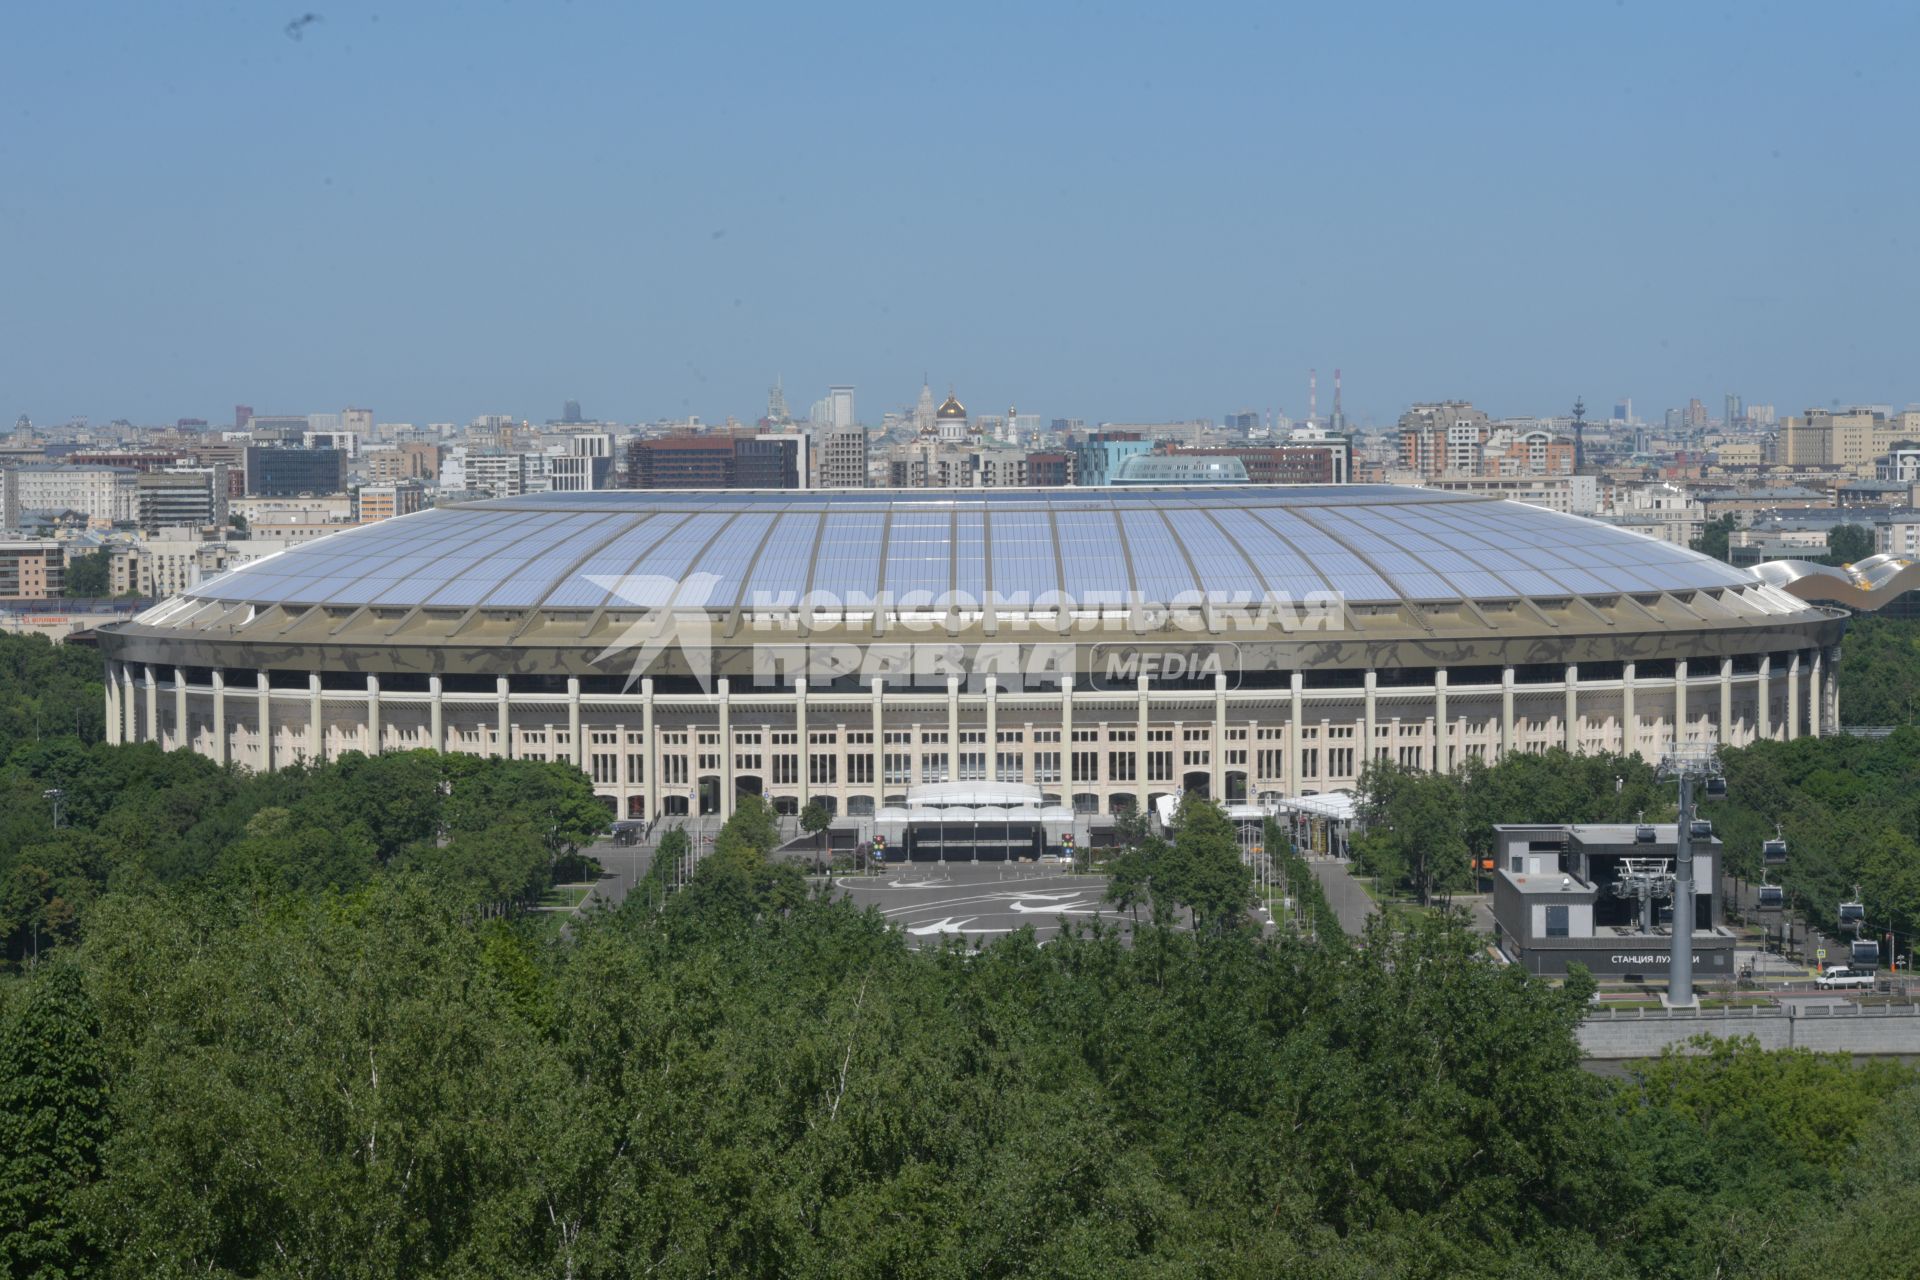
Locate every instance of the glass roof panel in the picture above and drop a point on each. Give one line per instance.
(1160, 569)
(919, 557)
(969, 558)
(1096, 570)
(661, 571)
(579, 590)
(730, 558)
(847, 571)
(780, 574)
(1024, 567)
(1286, 571)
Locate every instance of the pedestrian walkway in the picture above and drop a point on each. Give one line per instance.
(1349, 901)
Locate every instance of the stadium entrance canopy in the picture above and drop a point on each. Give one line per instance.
(973, 822)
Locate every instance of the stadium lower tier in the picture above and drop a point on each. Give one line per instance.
(652, 753)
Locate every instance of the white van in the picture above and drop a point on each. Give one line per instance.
(1841, 976)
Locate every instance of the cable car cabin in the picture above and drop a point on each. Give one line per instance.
(1772, 897)
(1716, 787)
(1773, 853)
(1866, 951)
(1645, 834)
(1700, 829)
(1852, 913)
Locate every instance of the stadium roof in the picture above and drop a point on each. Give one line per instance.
(1094, 546)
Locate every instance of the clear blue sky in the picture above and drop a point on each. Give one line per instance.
(1110, 212)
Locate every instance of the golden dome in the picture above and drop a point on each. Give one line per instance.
(951, 409)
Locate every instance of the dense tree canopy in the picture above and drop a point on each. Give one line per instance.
(89, 576)
(1880, 675)
(261, 1026)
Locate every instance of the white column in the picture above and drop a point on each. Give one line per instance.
(220, 753)
(800, 727)
(651, 765)
(129, 704)
(1370, 722)
(376, 744)
(265, 717)
(116, 723)
(1816, 694)
(953, 728)
(1726, 702)
(621, 784)
(316, 721)
(1629, 716)
(573, 723)
(1140, 748)
(153, 708)
(1296, 720)
(1440, 735)
(1066, 745)
(1793, 696)
(1763, 689)
(503, 726)
(1833, 689)
(993, 730)
(724, 686)
(1506, 711)
(436, 714)
(182, 728)
(1571, 717)
(879, 744)
(1219, 753)
(1680, 703)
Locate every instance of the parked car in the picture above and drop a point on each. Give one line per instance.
(1840, 977)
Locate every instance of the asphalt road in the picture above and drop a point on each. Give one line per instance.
(1348, 900)
(621, 867)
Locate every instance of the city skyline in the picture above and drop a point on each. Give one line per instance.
(1130, 218)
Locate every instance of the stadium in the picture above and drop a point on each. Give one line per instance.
(1082, 651)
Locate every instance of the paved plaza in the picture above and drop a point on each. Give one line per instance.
(981, 901)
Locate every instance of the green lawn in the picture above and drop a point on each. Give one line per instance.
(564, 897)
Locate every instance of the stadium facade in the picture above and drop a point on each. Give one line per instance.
(1105, 646)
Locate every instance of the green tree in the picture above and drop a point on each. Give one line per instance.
(1205, 869)
(1847, 543)
(814, 820)
(1715, 537)
(89, 576)
(53, 1109)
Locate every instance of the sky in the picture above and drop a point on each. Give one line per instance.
(1104, 211)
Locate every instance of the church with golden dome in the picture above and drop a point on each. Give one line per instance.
(949, 424)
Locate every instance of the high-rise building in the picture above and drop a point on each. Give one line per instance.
(1443, 438)
(373, 502)
(1736, 413)
(578, 472)
(570, 413)
(242, 415)
(105, 495)
(844, 459)
(839, 408)
(275, 472)
(1100, 455)
(717, 462)
(32, 570)
(181, 499)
